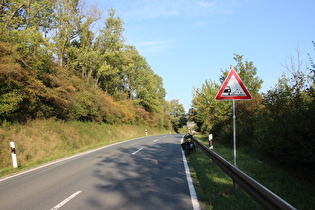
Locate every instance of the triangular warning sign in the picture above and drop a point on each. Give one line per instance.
(233, 88)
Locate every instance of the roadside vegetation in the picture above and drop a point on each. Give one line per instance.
(278, 125)
(215, 189)
(54, 63)
(41, 141)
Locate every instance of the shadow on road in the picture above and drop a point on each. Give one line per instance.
(153, 178)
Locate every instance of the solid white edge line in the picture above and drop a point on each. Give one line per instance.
(66, 200)
(65, 158)
(193, 194)
(137, 151)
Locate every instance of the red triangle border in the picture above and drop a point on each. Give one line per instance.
(226, 81)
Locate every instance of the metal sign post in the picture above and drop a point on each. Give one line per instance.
(233, 89)
(234, 142)
(234, 132)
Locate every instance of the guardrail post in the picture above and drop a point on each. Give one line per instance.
(14, 159)
(235, 186)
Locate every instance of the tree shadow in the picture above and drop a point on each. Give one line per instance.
(153, 178)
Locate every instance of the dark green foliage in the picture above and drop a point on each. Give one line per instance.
(177, 115)
(278, 124)
(289, 123)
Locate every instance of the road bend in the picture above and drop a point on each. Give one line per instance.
(144, 173)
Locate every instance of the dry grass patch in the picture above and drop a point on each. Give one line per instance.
(41, 141)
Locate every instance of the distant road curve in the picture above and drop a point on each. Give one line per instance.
(143, 173)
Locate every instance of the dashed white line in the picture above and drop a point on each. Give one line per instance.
(66, 200)
(137, 151)
(155, 140)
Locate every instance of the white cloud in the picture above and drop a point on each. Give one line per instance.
(151, 11)
(153, 47)
(144, 9)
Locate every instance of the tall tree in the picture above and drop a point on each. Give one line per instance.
(23, 14)
(289, 116)
(22, 24)
(111, 43)
(150, 92)
(247, 71)
(177, 114)
(209, 111)
(312, 73)
(133, 64)
(85, 54)
(66, 27)
(216, 116)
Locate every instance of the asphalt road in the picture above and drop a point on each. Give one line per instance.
(143, 173)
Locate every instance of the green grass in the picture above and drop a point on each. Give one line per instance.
(216, 190)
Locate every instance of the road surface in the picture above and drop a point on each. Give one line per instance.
(144, 173)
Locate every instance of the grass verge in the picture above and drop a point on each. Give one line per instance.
(216, 190)
(41, 141)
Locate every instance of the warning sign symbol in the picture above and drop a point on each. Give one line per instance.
(233, 88)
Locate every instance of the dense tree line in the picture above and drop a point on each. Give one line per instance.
(278, 124)
(55, 63)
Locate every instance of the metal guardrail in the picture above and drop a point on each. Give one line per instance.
(258, 192)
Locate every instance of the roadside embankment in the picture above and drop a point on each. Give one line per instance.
(41, 141)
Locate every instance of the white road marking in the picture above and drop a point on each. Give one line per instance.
(67, 158)
(155, 140)
(193, 194)
(137, 151)
(66, 200)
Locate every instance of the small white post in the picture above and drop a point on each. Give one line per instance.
(146, 132)
(14, 160)
(210, 141)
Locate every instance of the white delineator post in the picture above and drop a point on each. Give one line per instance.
(210, 141)
(14, 160)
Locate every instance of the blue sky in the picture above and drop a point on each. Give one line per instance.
(189, 41)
